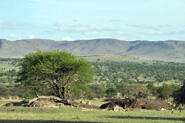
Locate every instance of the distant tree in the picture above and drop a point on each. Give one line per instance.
(167, 90)
(135, 90)
(99, 91)
(179, 95)
(55, 72)
(111, 92)
(3, 91)
(152, 88)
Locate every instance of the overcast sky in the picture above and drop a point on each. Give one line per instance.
(91, 19)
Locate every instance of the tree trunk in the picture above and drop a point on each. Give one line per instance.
(44, 97)
(64, 92)
(60, 93)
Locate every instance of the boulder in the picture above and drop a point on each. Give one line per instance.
(42, 104)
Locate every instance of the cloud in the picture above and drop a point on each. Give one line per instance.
(182, 32)
(141, 26)
(69, 25)
(57, 24)
(75, 20)
(1, 22)
(157, 27)
(164, 26)
(75, 26)
(84, 30)
(94, 33)
(111, 29)
(9, 25)
(14, 37)
(72, 30)
(119, 32)
(31, 36)
(116, 20)
(66, 38)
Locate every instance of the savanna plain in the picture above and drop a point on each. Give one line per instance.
(70, 115)
(66, 114)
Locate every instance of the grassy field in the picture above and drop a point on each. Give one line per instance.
(72, 115)
(65, 114)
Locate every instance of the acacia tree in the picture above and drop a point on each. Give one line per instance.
(54, 72)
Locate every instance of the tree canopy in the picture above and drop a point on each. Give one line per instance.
(56, 73)
(179, 96)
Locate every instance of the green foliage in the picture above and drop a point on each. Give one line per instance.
(167, 90)
(98, 90)
(54, 72)
(179, 95)
(133, 90)
(143, 73)
(3, 91)
(153, 89)
(111, 92)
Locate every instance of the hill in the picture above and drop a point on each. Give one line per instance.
(156, 50)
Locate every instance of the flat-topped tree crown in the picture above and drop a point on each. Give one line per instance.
(54, 73)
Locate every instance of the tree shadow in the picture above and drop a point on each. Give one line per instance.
(42, 121)
(149, 118)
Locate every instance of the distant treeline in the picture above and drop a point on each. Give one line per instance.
(115, 72)
(132, 72)
(112, 77)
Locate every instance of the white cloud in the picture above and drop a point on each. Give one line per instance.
(120, 33)
(182, 32)
(9, 25)
(140, 26)
(14, 37)
(111, 29)
(57, 24)
(1, 22)
(94, 33)
(31, 36)
(66, 38)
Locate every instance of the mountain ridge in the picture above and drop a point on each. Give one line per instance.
(170, 50)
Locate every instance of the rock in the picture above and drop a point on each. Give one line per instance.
(42, 104)
(61, 104)
(13, 104)
(117, 108)
(141, 103)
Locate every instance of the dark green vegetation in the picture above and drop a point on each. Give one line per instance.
(158, 50)
(130, 77)
(56, 73)
(133, 72)
(179, 95)
(8, 75)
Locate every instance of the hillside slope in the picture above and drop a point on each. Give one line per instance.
(157, 50)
